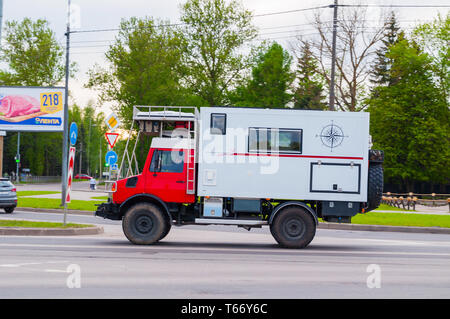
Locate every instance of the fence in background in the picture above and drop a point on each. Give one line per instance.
(40, 179)
(408, 201)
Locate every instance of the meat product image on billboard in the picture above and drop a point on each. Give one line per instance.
(32, 109)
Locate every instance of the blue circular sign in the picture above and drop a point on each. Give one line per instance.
(111, 157)
(73, 134)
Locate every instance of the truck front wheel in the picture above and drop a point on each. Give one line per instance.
(293, 227)
(143, 224)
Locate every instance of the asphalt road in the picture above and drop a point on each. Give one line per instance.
(222, 262)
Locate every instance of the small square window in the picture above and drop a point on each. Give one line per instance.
(218, 124)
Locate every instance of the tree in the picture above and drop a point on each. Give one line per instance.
(91, 143)
(215, 33)
(410, 120)
(356, 43)
(308, 93)
(380, 73)
(33, 57)
(434, 39)
(145, 68)
(270, 80)
(32, 53)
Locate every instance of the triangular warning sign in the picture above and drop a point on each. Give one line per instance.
(112, 138)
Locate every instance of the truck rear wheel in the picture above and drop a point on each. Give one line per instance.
(293, 227)
(375, 186)
(143, 224)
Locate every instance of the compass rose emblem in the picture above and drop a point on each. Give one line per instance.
(332, 136)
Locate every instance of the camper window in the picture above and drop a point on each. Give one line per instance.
(218, 123)
(273, 140)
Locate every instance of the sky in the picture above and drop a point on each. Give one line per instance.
(88, 49)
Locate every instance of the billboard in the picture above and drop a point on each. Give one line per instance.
(26, 108)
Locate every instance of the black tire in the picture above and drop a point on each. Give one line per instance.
(143, 224)
(9, 210)
(375, 186)
(293, 227)
(166, 230)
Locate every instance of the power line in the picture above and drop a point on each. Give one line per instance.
(394, 5)
(290, 11)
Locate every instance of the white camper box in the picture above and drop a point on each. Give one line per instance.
(320, 156)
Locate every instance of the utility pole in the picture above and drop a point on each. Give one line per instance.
(81, 156)
(65, 150)
(18, 157)
(1, 135)
(333, 56)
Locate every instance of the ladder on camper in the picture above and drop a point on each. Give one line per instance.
(152, 120)
(191, 159)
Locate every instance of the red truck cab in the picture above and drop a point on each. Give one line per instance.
(164, 175)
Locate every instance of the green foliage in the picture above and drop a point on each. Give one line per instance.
(270, 81)
(91, 144)
(215, 33)
(145, 68)
(410, 120)
(434, 38)
(32, 53)
(380, 73)
(308, 93)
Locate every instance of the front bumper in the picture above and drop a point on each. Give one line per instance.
(109, 211)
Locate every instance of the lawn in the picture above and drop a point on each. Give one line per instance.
(394, 219)
(29, 224)
(54, 203)
(100, 197)
(32, 193)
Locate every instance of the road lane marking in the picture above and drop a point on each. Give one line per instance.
(218, 250)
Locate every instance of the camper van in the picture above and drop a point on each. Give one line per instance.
(248, 167)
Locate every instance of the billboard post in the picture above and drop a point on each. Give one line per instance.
(65, 150)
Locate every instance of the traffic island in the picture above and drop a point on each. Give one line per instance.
(29, 228)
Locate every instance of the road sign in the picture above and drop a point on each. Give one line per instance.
(111, 157)
(114, 167)
(70, 173)
(112, 121)
(112, 138)
(73, 134)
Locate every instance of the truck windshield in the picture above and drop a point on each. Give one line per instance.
(167, 161)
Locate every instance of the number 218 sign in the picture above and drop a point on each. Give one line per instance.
(51, 102)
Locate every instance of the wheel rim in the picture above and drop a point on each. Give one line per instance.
(294, 228)
(144, 224)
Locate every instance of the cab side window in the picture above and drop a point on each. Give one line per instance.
(167, 161)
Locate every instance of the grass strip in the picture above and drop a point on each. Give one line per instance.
(100, 197)
(54, 203)
(30, 224)
(33, 193)
(394, 219)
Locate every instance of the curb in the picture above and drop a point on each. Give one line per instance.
(18, 231)
(403, 229)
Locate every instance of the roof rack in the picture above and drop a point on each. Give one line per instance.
(165, 113)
